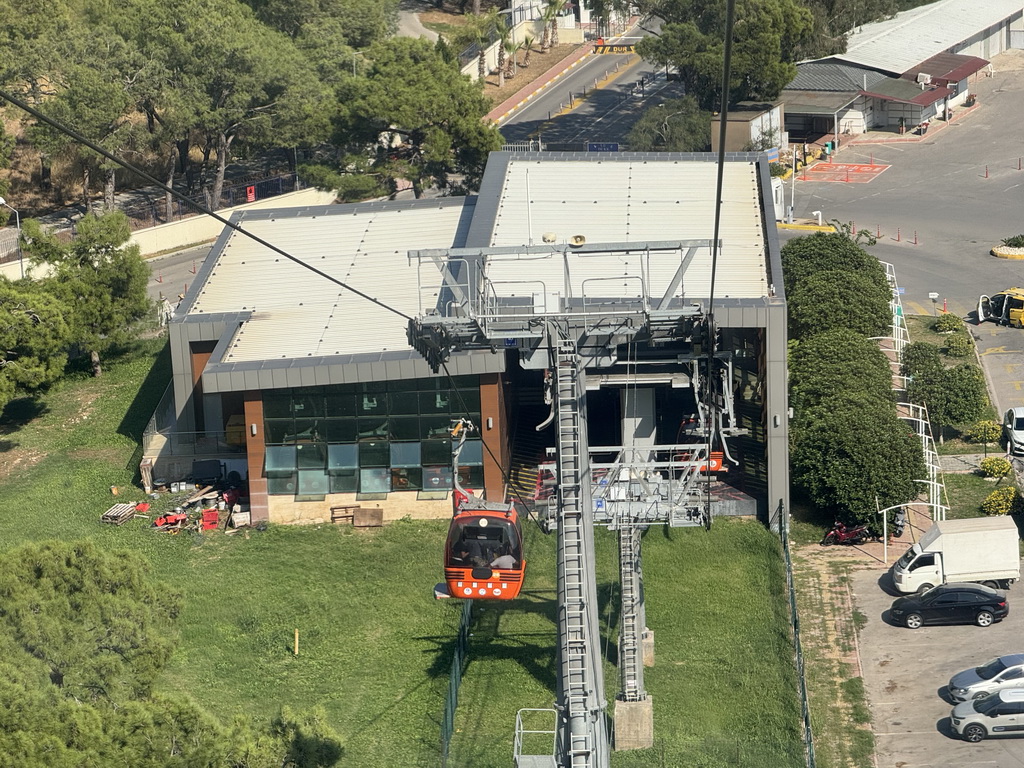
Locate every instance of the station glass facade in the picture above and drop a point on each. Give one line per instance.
(370, 438)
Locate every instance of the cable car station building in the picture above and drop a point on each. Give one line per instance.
(316, 397)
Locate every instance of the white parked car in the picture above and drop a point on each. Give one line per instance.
(1001, 714)
(999, 674)
(1013, 430)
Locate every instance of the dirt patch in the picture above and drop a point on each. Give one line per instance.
(15, 460)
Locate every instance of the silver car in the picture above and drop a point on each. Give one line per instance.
(979, 682)
(1001, 714)
(1013, 430)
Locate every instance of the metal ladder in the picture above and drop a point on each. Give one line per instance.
(631, 623)
(575, 554)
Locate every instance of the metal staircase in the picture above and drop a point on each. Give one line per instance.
(631, 623)
(584, 734)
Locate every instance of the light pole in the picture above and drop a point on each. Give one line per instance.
(17, 221)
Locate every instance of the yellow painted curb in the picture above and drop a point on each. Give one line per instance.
(808, 227)
(1010, 253)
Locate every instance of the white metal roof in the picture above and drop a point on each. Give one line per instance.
(899, 44)
(629, 202)
(298, 314)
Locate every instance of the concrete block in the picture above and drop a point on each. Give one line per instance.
(634, 724)
(647, 647)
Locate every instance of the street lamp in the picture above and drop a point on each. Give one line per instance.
(17, 220)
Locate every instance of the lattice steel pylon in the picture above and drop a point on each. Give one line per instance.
(472, 304)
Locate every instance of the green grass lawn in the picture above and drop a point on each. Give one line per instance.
(715, 601)
(375, 647)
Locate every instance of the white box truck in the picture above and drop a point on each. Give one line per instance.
(982, 549)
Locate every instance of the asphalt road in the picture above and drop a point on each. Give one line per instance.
(172, 274)
(598, 101)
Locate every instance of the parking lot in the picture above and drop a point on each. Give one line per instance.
(940, 207)
(905, 672)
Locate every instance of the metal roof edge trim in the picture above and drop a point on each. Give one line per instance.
(342, 369)
(348, 209)
(773, 256)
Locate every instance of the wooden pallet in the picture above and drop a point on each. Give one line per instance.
(119, 514)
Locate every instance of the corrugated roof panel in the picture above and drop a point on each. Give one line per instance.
(299, 314)
(899, 44)
(628, 202)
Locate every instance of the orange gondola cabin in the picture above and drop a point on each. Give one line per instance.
(483, 556)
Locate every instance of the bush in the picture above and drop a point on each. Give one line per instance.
(777, 169)
(1017, 241)
(947, 322)
(996, 466)
(1002, 501)
(959, 345)
(984, 432)
(837, 298)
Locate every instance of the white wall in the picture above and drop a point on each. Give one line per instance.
(199, 229)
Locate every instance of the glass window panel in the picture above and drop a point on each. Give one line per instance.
(280, 460)
(341, 404)
(308, 405)
(374, 386)
(345, 481)
(468, 400)
(435, 426)
(405, 454)
(371, 402)
(367, 429)
(374, 480)
(342, 457)
(277, 404)
(406, 479)
(435, 401)
(437, 452)
(462, 382)
(276, 430)
(306, 431)
(437, 478)
(311, 456)
(313, 483)
(339, 430)
(405, 428)
(404, 402)
(373, 453)
(403, 385)
(282, 486)
(471, 477)
(472, 452)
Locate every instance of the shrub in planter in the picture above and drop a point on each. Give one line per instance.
(959, 345)
(985, 431)
(947, 322)
(1002, 501)
(1017, 241)
(996, 466)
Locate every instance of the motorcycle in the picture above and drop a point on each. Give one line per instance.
(899, 523)
(842, 534)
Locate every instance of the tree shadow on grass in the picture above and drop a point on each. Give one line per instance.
(148, 397)
(19, 412)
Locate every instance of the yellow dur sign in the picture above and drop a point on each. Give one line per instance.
(614, 49)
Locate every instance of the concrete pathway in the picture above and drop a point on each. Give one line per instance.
(409, 20)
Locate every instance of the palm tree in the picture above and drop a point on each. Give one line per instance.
(528, 46)
(505, 40)
(511, 49)
(546, 18)
(556, 7)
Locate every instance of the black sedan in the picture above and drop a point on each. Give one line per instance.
(951, 604)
